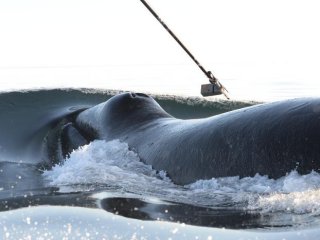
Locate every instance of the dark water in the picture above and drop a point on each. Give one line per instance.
(26, 119)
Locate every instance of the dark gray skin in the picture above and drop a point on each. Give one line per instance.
(269, 139)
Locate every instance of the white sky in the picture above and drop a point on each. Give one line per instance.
(258, 49)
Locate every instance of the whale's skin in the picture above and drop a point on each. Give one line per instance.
(267, 139)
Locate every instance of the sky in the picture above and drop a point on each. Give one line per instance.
(264, 50)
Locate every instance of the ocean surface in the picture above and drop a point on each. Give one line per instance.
(103, 190)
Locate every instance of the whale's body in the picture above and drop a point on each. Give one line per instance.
(269, 139)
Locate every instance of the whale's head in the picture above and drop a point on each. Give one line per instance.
(133, 108)
(121, 112)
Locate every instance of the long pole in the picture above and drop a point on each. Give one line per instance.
(212, 78)
(207, 73)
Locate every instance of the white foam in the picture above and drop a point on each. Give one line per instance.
(292, 193)
(293, 182)
(102, 162)
(113, 164)
(295, 202)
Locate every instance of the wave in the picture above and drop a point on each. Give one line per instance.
(27, 116)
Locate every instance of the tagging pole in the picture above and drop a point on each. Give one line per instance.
(214, 87)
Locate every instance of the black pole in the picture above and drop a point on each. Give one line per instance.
(212, 78)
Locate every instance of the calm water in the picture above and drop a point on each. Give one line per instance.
(175, 79)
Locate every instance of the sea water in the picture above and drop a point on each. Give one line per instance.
(103, 190)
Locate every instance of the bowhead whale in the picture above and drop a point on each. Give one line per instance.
(270, 139)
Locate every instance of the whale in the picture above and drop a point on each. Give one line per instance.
(267, 139)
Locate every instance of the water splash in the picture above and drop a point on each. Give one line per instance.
(113, 164)
(102, 162)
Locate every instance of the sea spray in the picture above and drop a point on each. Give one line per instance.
(113, 164)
